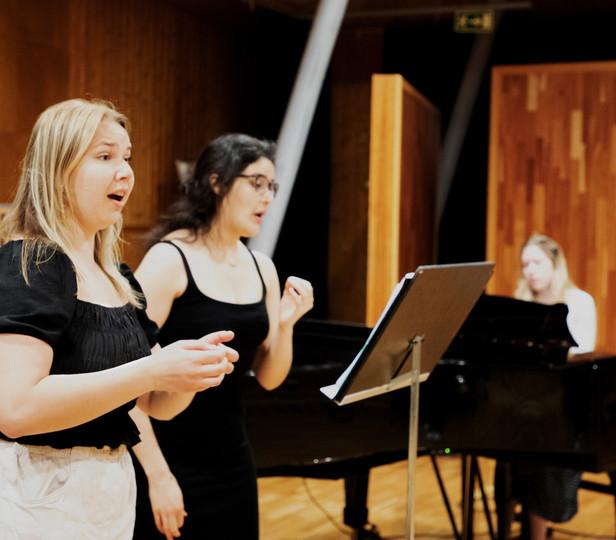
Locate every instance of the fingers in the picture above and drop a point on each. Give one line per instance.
(215, 353)
(230, 354)
(218, 355)
(167, 504)
(167, 525)
(216, 338)
(158, 520)
(170, 527)
(169, 522)
(213, 374)
(301, 287)
(180, 515)
(300, 291)
(198, 364)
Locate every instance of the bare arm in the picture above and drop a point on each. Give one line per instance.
(163, 279)
(32, 401)
(274, 357)
(165, 493)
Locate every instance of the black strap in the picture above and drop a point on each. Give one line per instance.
(258, 271)
(189, 276)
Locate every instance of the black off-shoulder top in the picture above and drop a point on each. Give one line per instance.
(85, 337)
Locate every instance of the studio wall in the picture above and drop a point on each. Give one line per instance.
(552, 169)
(176, 73)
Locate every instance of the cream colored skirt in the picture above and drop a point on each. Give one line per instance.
(74, 494)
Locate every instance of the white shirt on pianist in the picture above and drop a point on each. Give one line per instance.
(581, 320)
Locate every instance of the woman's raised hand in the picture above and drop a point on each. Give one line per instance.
(297, 299)
(192, 365)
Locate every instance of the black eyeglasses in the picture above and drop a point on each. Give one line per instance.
(261, 183)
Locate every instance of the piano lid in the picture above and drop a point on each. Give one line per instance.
(504, 329)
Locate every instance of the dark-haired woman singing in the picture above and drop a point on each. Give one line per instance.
(198, 275)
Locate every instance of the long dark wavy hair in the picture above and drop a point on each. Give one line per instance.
(225, 157)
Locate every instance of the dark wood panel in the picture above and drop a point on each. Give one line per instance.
(177, 74)
(350, 147)
(33, 74)
(420, 154)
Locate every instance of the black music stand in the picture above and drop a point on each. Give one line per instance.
(421, 318)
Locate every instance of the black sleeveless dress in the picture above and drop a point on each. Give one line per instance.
(206, 445)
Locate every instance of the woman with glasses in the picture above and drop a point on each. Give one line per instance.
(75, 342)
(196, 276)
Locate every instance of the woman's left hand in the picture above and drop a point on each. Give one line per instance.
(297, 299)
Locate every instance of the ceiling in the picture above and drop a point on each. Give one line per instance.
(388, 10)
(376, 9)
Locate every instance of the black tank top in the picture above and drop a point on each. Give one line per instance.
(213, 424)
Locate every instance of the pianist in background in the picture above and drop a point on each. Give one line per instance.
(550, 493)
(198, 275)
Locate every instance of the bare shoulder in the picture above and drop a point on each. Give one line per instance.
(266, 266)
(163, 257)
(161, 272)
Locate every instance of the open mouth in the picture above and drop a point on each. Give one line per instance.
(116, 197)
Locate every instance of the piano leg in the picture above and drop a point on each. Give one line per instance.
(441, 486)
(612, 475)
(484, 500)
(356, 506)
(468, 487)
(471, 476)
(503, 497)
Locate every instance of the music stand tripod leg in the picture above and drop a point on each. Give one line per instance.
(413, 424)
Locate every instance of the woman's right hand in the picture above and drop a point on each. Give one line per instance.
(192, 365)
(167, 504)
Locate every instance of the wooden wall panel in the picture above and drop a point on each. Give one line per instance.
(33, 74)
(420, 154)
(553, 170)
(404, 151)
(175, 73)
(350, 144)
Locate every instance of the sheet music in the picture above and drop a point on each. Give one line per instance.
(331, 390)
(430, 306)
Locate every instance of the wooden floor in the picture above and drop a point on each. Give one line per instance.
(298, 509)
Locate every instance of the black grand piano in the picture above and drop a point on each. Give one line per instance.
(503, 389)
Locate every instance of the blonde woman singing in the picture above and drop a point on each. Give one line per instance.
(74, 338)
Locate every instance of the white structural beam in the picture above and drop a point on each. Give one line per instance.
(458, 124)
(298, 118)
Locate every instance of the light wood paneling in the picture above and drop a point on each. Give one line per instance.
(350, 144)
(404, 149)
(553, 170)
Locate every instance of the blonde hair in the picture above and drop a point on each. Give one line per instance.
(42, 213)
(561, 282)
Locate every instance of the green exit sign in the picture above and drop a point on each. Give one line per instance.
(473, 21)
